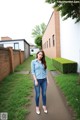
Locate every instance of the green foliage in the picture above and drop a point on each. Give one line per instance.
(38, 30)
(64, 65)
(38, 41)
(37, 34)
(68, 8)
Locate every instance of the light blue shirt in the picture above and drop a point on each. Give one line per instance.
(37, 69)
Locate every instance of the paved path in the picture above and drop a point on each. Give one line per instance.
(57, 109)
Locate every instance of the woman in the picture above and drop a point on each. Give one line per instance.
(39, 72)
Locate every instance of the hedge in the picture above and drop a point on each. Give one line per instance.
(65, 65)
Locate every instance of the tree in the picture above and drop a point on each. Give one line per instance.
(37, 34)
(68, 8)
(38, 41)
(38, 30)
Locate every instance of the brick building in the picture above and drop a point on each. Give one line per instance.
(62, 38)
(51, 37)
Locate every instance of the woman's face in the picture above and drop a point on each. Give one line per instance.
(40, 55)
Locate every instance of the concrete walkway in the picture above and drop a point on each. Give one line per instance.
(57, 109)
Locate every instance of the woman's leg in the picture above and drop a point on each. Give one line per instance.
(37, 94)
(44, 88)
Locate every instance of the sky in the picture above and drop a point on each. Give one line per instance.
(19, 17)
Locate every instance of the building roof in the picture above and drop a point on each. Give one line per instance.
(15, 40)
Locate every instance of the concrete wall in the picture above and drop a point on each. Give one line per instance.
(70, 40)
(9, 59)
(26, 50)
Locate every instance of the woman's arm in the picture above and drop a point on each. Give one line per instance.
(33, 72)
(47, 76)
(35, 80)
(47, 79)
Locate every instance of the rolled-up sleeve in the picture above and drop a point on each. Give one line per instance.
(32, 67)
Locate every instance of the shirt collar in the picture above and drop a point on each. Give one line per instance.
(37, 60)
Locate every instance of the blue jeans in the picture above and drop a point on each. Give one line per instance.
(43, 84)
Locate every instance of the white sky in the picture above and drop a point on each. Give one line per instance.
(19, 17)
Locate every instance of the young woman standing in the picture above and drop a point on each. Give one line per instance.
(39, 72)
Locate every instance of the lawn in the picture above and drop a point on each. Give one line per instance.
(70, 86)
(49, 64)
(68, 83)
(16, 92)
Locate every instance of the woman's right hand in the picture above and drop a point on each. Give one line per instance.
(36, 83)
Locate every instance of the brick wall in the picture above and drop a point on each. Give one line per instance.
(4, 63)
(16, 58)
(9, 59)
(51, 37)
(22, 56)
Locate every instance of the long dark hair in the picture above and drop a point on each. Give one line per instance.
(43, 58)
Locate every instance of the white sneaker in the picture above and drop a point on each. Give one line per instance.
(38, 112)
(44, 109)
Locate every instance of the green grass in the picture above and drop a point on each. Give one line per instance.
(50, 64)
(71, 89)
(15, 93)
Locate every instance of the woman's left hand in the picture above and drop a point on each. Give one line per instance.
(47, 83)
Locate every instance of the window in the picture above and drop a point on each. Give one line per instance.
(32, 50)
(49, 43)
(45, 44)
(1, 45)
(16, 46)
(53, 40)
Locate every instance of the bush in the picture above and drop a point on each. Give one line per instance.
(65, 65)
